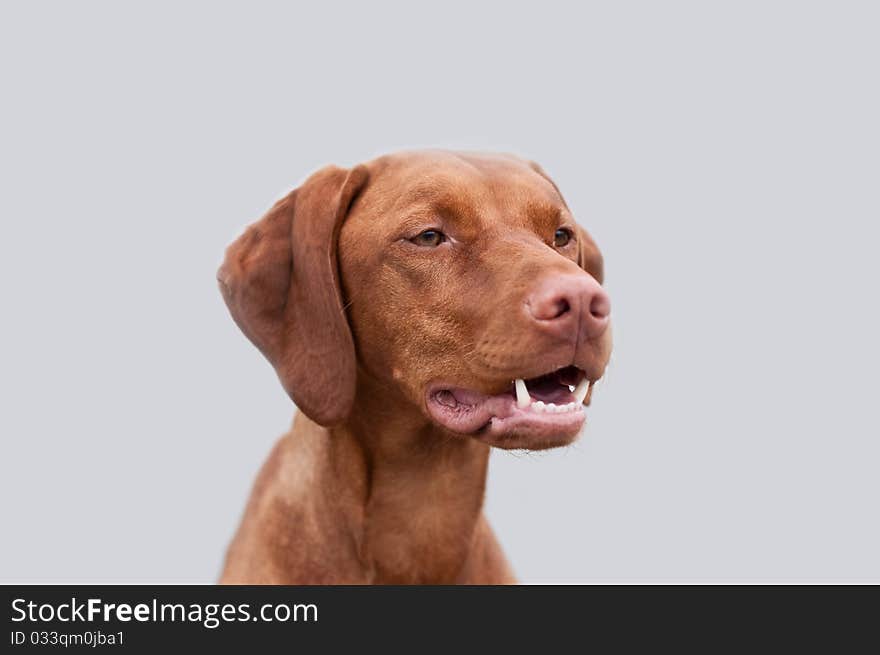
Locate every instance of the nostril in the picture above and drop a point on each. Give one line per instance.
(562, 307)
(570, 298)
(600, 306)
(550, 307)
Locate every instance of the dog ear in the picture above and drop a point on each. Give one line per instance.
(589, 256)
(280, 280)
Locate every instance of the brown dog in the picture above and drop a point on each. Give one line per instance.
(418, 309)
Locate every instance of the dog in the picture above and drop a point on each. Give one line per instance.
(418, 309)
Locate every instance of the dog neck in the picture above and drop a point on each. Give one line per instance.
(415, 491)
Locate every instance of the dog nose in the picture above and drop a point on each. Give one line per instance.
(563, 302)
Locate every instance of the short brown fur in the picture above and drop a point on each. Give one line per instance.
(358, 323)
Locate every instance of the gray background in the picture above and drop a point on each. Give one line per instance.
(724, 155)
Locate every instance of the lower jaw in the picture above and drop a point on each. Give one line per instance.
(516, 437)
(499, 422)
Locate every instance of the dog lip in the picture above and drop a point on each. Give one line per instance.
(498, 421)
(553, 418)
(451, 394)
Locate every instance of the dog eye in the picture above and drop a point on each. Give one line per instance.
(562, 237)
(429, 238)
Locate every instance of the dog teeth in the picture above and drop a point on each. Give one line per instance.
(523, 399)
(552, 408)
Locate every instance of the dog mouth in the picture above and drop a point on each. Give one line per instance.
(534, 413)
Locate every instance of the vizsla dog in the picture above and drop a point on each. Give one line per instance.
(418, 309)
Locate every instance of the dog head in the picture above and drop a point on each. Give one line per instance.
(458, 283)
